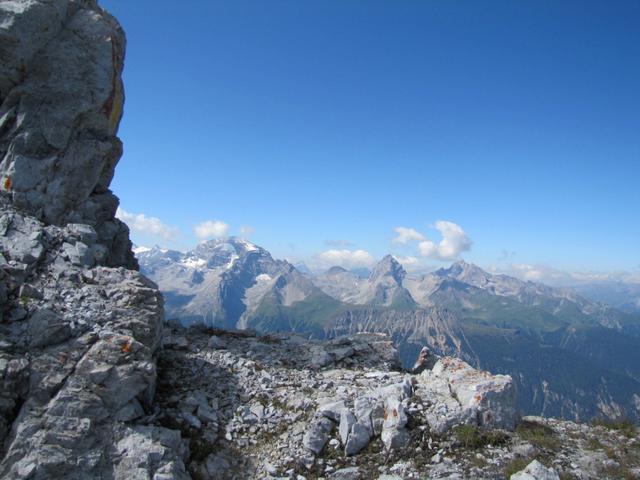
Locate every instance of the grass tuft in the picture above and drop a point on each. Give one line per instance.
(622, 425)
(469, 436)
(539, 435)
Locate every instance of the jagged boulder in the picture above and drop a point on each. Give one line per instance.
(459, 394)
(452, 393)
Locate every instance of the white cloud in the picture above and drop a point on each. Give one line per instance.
(454, 241)
(210, 229)
(140, 223)
(246, 231)
(345, 258)
(406, 235)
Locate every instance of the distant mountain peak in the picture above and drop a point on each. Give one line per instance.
(388, 267)
(233, 240)
(462, 270)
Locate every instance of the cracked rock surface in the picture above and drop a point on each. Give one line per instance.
(61, 99)
(77, 366)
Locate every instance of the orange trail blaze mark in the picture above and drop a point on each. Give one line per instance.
(126, 346)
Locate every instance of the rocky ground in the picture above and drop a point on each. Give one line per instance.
(279, 406)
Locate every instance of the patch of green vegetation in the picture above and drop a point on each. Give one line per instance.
(479, 462)
(496, 438)
(622, 425)
(516, 465)
(594, 444)
(469, 436)
(539, 435)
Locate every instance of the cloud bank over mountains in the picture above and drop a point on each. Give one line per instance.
(412, 248)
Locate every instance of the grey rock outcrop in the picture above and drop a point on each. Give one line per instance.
(61, 99)
(77, 361)
(79, 331)
(459, 394)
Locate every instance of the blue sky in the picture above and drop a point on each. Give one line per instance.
(326, 125)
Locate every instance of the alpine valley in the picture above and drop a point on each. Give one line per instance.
(570, 357)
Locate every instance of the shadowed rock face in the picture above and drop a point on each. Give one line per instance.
(61, 99)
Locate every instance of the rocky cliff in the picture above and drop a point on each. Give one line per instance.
(61, 99)
(78, 328)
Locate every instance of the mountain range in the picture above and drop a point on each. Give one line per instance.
(570, 356)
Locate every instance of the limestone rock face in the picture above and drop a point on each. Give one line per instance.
(77, 368)
(460, 394)
(79, 332)
(61, 99)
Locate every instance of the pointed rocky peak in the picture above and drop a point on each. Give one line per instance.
(388, 267)
(243, 245)
(464, 271)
